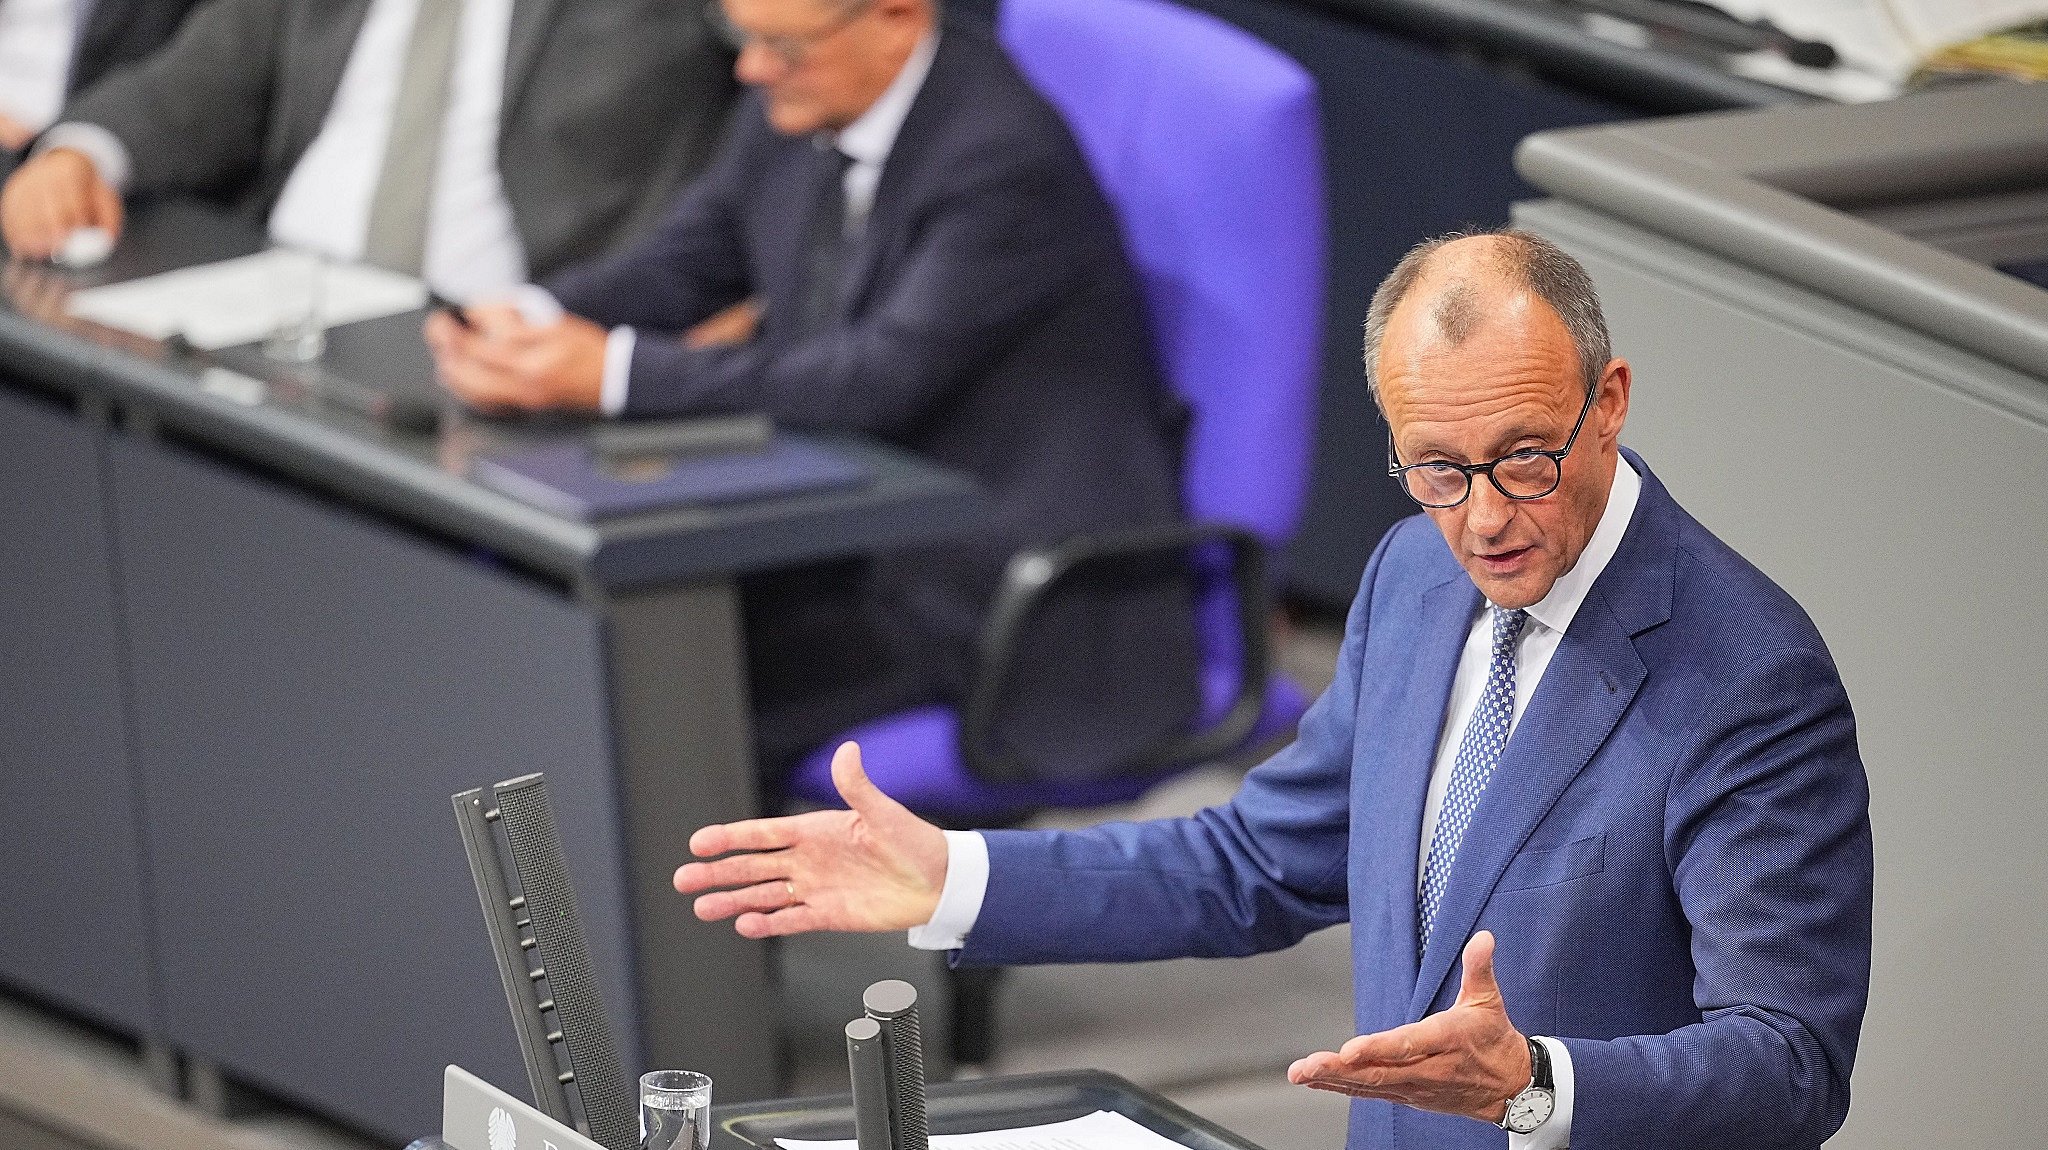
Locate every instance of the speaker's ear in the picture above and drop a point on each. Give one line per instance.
(522, 880)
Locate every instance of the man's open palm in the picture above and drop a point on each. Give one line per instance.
(1466, 1060)
(873, 867)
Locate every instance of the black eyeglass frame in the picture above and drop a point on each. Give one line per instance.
(1398, 471)
(791, 50)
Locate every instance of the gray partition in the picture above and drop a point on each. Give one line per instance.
(298, 752)
(1852, 411)
(73, 904)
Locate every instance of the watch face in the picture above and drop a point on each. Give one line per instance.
(1528, 1110)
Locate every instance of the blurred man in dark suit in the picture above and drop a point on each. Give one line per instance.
(476, 142)
(51, 50)
(900, 237)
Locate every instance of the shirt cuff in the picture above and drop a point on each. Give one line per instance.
(108, 154)
(960, 899)
(611, 399)
(1555, 1134)
(537, 305)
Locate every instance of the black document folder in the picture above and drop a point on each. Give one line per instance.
(580, 481)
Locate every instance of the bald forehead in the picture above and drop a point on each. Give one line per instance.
(1470, 335)
(1464, 282)
(1447, 310)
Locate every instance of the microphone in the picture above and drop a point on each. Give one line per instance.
(885, 1055)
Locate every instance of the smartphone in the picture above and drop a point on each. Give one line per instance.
(438, 302)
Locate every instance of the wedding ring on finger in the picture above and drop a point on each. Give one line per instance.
(791, 888)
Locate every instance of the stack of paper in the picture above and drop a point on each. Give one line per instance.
(1888, 37)
(238, 301)
(1102, 1130)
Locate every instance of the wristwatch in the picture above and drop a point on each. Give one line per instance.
(1531, 1108)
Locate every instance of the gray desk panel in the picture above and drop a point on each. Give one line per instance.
(75, 915)
(1899, 489)
(1767, 190)
(309, 689)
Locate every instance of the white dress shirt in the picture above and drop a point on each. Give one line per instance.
(867, 142)
(472, 249)
(37, 39)
(967, 852)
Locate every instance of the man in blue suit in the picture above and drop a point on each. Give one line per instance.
(1575, 746)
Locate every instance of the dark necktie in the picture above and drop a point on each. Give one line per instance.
(825, 245)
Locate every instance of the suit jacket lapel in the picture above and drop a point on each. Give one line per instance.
(531, 20)
(1391, 776)
(97, 24)
(1590, 682)
(319, 39)
(922, 127)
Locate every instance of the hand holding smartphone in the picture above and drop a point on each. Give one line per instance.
(438, 302)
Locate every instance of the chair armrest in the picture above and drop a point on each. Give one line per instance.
(1032, 577)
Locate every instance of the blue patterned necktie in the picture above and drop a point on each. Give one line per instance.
(1486, 735)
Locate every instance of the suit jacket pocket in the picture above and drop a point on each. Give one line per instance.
(1575, 859)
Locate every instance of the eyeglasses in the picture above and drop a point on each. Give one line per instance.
(792, 51)
(1528, 474)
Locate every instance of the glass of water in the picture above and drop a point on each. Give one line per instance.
(298, 287)
(675, 1110)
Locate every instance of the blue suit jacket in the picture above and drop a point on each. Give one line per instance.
(1674, 852)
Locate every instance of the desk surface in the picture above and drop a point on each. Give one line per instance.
(420, 476)
(1672, 74)
(976, 1105)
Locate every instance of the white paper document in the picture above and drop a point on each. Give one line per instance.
(1102, 1130)
(240, 300)
(1888, 37)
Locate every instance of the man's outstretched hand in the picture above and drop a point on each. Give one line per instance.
(874, 867)
(1467, 1060)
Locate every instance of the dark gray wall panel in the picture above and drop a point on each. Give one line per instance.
(310, 687)
(72, 904)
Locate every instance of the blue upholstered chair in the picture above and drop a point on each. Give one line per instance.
(1207, 142)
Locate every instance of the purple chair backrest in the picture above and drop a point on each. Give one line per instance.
(1207, 142)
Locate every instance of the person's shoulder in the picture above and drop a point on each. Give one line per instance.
(976, 62)
(1414, 542)
(1412, 558)
(750, 142)
(991, 110)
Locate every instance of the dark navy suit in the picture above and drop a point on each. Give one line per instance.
(990, 321)
(1673, 852)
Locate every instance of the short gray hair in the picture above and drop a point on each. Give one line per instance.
(1523, 258)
